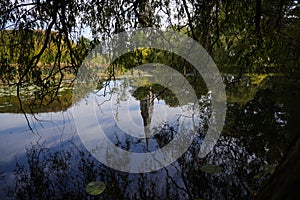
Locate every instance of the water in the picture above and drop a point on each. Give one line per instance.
(50, 161)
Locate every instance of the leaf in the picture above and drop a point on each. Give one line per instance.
(95, 188)
(211, 169)
(265, 170)
(268, 169)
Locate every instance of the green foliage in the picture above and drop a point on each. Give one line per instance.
(19, 46)
(241, 36)
(257, 38)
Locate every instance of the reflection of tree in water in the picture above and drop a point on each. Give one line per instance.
(247, 153)
(147, 106)
(156, 91)
(64, 172)
(146, 95)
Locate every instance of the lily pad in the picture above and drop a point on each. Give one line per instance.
(95, 188)
(211, 169)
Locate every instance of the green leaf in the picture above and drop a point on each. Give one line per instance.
(268, 169)
(265, 170)
(95, 188)
(211, 169)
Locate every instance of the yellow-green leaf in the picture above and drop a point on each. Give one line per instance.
(95, 188)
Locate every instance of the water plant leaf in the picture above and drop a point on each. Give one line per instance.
(95, 188)
(268, 169)
(211, 169)
(265, 170)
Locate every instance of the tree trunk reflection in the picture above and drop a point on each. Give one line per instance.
(146, 106)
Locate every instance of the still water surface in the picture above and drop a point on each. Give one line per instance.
(50, 160)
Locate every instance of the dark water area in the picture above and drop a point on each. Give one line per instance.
(51, 162)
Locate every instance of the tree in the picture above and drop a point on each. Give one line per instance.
(237, 33)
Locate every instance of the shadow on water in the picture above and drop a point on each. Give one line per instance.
(260, 125)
